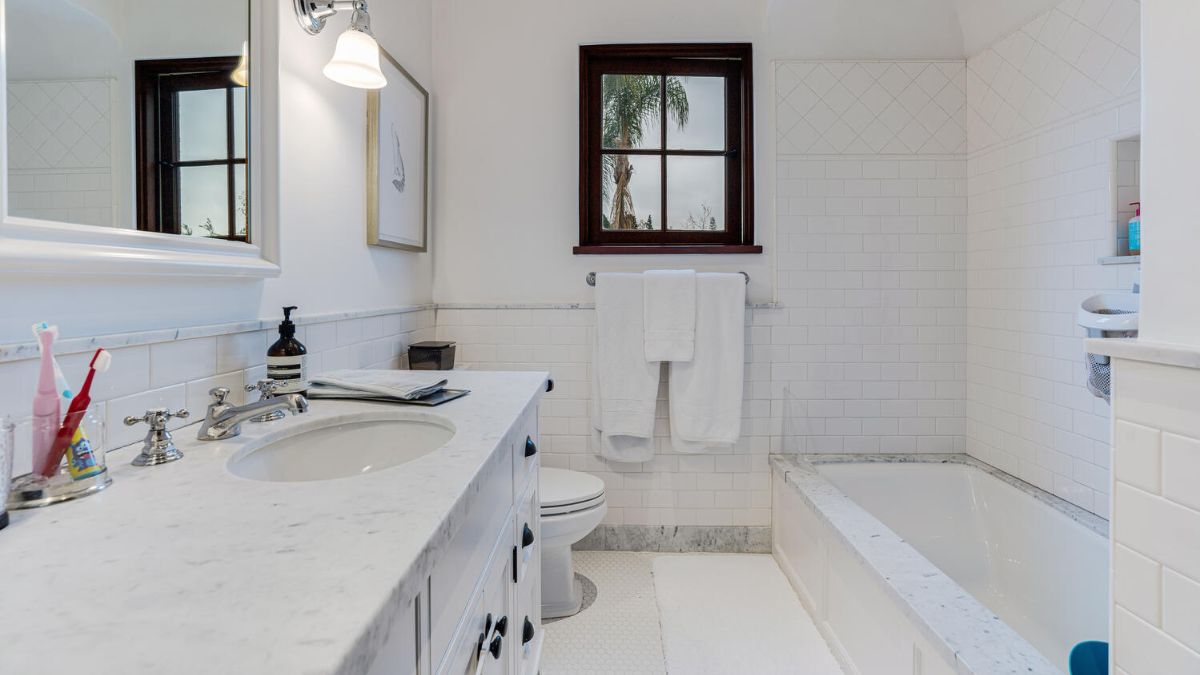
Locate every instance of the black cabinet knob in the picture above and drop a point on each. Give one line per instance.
(527, 631)
(526, 537)
(549, 384)
(487, 624)
(495, 647)
(502, 626)
(530, 447)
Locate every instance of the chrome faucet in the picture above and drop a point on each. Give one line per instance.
(224, 420)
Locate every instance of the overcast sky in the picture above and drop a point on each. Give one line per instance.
(691, 181)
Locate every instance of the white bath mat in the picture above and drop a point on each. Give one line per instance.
(725, 614)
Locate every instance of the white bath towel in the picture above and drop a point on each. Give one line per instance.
(670, 314)
(706, 393)
(624, 383)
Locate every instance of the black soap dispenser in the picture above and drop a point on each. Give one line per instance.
(286, 359)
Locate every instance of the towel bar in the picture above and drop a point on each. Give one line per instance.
(591, 278)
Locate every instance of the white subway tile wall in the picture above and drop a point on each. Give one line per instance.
(728, 489)
(179, 373)
(1046, 106)
(1156, 519)
(869, 355)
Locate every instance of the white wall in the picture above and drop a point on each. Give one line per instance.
(327, 266)
(1170, 146)
(507, 178)
(507, 74)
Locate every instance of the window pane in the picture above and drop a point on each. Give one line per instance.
(704, 100)
(239, 122)
(241, 203)
(632, 191)
(204, 200)
(630, 112)
(696, 193)
(202, 125)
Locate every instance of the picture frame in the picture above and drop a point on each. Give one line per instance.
(398, 161)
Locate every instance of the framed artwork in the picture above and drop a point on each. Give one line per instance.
(398, 161)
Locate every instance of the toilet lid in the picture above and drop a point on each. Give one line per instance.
(559, 487)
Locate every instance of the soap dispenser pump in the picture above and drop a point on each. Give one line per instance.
(286, 359)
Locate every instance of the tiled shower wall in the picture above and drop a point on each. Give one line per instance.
(1045, 107)
(871, 237)
(176, 368)
(60, 159)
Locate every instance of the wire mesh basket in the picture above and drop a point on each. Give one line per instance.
(1106, 316)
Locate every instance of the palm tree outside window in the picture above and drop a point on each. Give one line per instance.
(666, 149)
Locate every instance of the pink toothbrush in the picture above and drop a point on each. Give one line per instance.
(47, 411)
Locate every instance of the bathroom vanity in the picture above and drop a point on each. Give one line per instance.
(226, 562)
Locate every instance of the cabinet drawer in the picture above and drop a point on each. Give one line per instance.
(487, 615)
(526, 453)
(463, 564)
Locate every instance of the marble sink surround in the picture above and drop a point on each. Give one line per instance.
(971, 636)
(186, 568)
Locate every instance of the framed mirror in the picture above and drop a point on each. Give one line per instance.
(137, 138)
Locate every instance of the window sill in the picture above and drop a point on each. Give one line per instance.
(667, 249)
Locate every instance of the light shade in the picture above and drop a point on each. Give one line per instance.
(355, 62)
(241, 74)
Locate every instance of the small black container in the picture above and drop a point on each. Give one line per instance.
(434, 355)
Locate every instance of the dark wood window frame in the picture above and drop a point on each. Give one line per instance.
(729, 60)
(156, 82)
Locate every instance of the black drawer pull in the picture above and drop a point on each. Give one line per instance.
(527, 631)
(526, 537)
(502, 626)
(549, 384)
(530, 447)
(495, 647)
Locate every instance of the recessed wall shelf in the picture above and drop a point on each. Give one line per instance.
(1121, 260)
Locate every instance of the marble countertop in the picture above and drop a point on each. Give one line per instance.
(186, 568)
(1135, 349)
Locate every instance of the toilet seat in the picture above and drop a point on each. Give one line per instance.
(562, 492)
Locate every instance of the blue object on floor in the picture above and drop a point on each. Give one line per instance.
(1089, 658)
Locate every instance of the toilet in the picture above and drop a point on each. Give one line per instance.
(572, 505)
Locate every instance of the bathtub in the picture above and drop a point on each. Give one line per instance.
(938, 564)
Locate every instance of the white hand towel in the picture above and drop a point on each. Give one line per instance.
(670, 314)
(624, 384)
(706, 394)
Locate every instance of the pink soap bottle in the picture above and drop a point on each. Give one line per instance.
(47, 411)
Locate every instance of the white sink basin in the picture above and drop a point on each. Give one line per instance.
(340, 449)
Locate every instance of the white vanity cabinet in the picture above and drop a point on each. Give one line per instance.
(480, 609)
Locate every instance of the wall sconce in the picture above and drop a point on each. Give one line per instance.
(241, 74)
(355, 61)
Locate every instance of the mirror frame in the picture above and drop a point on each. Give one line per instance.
(29, 245)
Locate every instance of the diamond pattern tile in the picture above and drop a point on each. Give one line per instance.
(60, 124)
(871, 107)
(1064, 62)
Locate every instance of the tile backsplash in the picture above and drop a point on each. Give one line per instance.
(176, 368)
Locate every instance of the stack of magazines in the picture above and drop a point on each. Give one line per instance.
(387, 386)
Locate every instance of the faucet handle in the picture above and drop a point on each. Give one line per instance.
(265, 388)
(219, 394)
(157, 418)
(157, 448)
